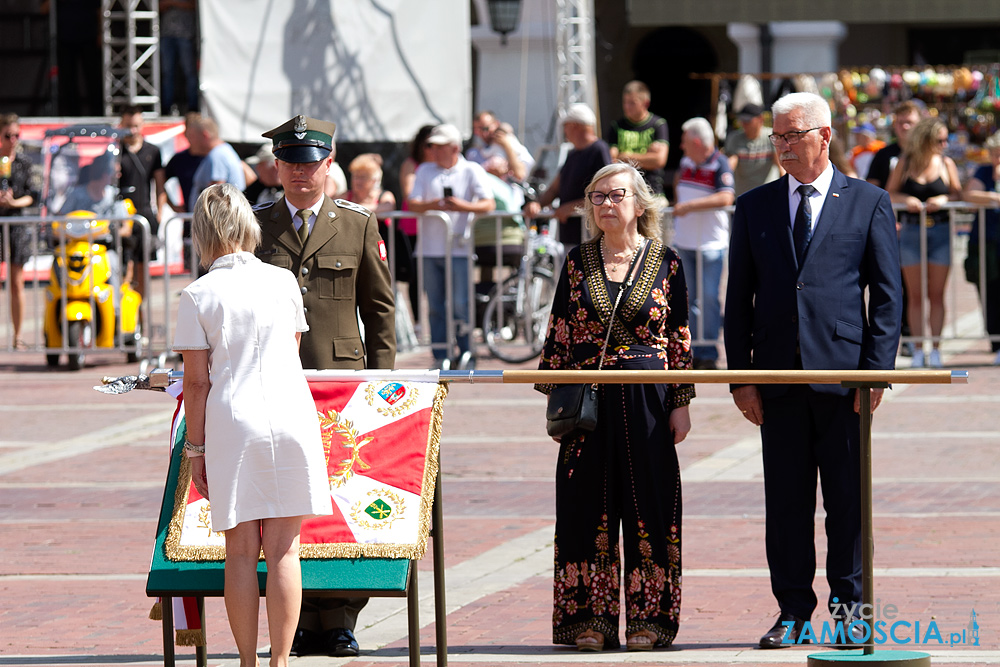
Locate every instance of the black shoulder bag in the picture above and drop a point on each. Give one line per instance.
(573, 407)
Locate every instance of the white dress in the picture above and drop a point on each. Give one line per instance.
(263, 451)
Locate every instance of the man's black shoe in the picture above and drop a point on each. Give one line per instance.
(307, 642)
(855, 633)
(781, 635)
(340, 643)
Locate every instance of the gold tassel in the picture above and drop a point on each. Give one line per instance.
(156, 613)
(190, 637)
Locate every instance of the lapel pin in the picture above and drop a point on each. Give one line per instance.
(834, 194)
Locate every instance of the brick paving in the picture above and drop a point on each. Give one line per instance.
(76, 531)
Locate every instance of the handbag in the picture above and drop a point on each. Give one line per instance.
(573, 407)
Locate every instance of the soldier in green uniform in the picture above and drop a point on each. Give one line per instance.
(334, 249)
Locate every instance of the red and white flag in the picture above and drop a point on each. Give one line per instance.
(381, 444)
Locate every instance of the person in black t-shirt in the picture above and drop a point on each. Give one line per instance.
(589, 154)
(640, 137)
(141, 165)
(906, 115)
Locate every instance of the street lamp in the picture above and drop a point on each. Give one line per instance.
(504, 17)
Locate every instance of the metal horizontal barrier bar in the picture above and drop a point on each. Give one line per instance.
(161, 378)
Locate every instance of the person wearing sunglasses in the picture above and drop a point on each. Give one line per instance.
(496, 143)
(814, 284)
(925, 179)
(621, 303)
(15, 196)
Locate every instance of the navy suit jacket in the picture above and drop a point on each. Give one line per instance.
(774, 306)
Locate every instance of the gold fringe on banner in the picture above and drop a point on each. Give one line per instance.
(415, 551)
(190, 637)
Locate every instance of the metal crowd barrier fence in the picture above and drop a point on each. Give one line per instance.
(168, 303)
(958, 231)
(37, 305)
(450, 241)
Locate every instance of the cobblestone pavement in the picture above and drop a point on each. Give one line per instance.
(81, 478)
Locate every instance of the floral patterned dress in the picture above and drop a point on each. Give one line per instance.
(625, 472)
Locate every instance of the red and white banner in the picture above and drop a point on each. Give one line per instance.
(381, 444)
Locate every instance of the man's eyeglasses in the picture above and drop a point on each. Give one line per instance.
(12, 135)
(616, 196)
(790, 138)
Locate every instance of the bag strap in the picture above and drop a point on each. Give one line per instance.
(618, 298)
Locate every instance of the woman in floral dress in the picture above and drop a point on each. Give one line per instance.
(625, 471)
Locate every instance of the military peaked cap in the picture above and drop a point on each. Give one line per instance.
(302, 139)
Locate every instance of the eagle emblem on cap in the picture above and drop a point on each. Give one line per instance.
(300, 127)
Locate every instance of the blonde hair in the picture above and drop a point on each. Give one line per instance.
(366, 163)
(921, 145)
(223, 222)
(648, 223)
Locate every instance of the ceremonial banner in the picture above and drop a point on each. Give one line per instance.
(381, 443)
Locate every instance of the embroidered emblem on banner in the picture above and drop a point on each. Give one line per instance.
(380, 513)
(332, 426)
(391, 393)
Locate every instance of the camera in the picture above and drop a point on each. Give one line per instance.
(448, 192)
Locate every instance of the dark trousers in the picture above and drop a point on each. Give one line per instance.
(991, 304)
(321, 614)
(624, 475)
(806, 432)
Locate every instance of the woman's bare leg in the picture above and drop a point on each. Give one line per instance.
(937, 276)
(280, 537)
(242, 590)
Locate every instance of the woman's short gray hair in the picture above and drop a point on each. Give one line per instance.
(223, 222)
(815, 110)
(649, 221)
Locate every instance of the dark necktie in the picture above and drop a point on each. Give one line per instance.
(305, 214)
(802, 229)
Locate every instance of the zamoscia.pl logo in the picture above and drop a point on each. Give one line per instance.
(881, 625)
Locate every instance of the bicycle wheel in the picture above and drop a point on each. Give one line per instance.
(516, 334)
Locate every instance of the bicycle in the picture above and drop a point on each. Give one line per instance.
(517, 314)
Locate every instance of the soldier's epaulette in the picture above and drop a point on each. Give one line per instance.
(263, 207)
(352, 206)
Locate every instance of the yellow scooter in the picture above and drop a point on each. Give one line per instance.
(90, 306)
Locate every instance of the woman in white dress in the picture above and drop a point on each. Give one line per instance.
(253, 436)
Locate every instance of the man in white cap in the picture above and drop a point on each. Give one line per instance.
(448, 182)
(589, 154)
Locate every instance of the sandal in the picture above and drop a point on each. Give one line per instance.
(644, 640)
(21, 344)
(590, 641)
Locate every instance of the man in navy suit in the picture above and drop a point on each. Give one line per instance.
(804, 250)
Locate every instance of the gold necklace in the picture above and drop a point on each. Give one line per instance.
(612, 267)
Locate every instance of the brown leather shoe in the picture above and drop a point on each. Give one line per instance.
(781, 635)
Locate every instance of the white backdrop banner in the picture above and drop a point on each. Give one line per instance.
(379, 69)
